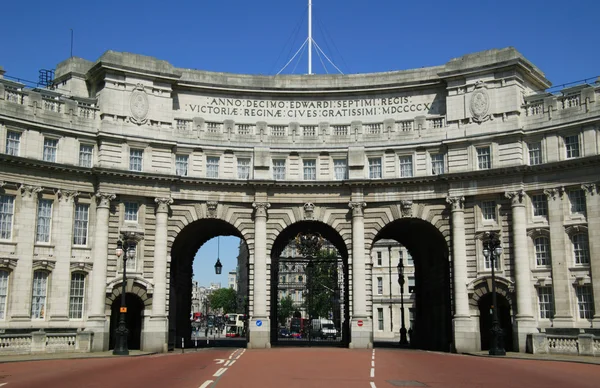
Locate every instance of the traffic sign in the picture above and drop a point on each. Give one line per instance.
(123, 309)
(259, 323)
(359, 323)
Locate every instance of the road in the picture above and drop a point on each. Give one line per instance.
(299, 368)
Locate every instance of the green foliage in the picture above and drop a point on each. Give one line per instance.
(321, 295)
(223, 298)
(285, 309)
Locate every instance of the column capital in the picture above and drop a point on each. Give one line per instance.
(456, 203)
(66, 195)
(2, 184)
(516, 197)
(589, 189)
(357, 208)
(261, 208)
(554, 193)
(28, 191)
(104, 198)
(163, 204)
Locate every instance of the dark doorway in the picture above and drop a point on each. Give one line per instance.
(485, 321)
(134, 319)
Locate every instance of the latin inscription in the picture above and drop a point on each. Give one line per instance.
(323, 109)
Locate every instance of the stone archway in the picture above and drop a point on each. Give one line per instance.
(137, 300)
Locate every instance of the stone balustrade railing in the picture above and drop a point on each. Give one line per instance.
(546, 103)
(578, 345)
(42, 342)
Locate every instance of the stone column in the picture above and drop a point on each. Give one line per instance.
(62, 229)
(24, 236)
(97, 317)
(157, 330)
(465, 336)
(259, 322)
(525, 323)
(592, 202)
(361, 324)
(561, 259)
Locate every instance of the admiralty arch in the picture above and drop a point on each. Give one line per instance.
(435, 159)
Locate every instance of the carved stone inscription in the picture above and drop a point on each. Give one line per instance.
(317, 109)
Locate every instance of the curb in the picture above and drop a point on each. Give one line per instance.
(510, 357)
(77, 357)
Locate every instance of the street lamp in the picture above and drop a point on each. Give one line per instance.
(126, 249)
(403, 340)
(492, 250)
(218, 265)
(390, 279)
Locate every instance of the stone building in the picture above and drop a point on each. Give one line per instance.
(433, 158)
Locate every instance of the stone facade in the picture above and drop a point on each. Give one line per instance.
(433, 158)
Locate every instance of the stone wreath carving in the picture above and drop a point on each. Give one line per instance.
(138, 105)
(480, 103)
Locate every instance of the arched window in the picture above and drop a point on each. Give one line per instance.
(3, 292)
(581, 250)
(77, 295)
(39, 294)
(542, 251)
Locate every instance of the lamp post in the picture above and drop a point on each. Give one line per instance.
(390, 279)
(126, 249)
(403, 339)
(492, 250)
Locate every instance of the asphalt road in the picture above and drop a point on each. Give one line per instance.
(295, 368)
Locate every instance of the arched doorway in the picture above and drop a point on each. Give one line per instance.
(432, 320)
(134, 319)
(314, 286)
(504, 318)
(183, 250)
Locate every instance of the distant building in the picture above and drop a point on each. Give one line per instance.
(232, 280)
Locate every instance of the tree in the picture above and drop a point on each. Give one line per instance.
(223, 298)
(285, 309)
(321, 296)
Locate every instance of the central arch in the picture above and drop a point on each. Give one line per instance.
(432, 291)
(339, 316)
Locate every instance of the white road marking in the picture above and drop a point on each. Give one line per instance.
(231, 363)
(227, 362)
(372, 372)
(220, 372)
(206, 384)
(372, 385)
(372, 357)
(372, 363)
(3, 384)
(219, 360)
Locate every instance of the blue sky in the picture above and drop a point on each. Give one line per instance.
(259, 37)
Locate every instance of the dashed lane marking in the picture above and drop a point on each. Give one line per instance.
(220, 372)
(372, 372)
(206, 384)
(232, 362)
(372, 363)
(372, 385)
(3, 384)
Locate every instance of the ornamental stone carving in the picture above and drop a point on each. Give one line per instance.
(406, 207)
(2, 184)
(211, 208)
(357, 208)
(554, 193)
(66, 195)
(163, 204)
(81, 266)
(309, 211)
(456, 203)
(261, 208)
(104, 198)
(28, 191)
(516, 197)
(8, 263)
(480, 103)
(48, 265)
(589, 188)
(138, 105)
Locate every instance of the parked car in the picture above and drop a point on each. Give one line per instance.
(323, 328)
(284, 333)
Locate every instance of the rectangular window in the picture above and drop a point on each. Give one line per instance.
(136, 158)
(243, 168)
(379, 318)
(13, 143)
(181, 165)
(340, 167)
(375, 168)
(437, 164)
(50, 146)
(86, 152)
(484, 158)
(131, 211)
(80, 227)
(540, 205)
(542, 247)
(406, 166)
(545, 302)
(44, 220)
(577, 199)
(310, 169)
(279, 169)
(379, 258)
(38, 298)
(535, 153)
(585, 302)
(379, 286)
(409, 259)
(411, 284)
(7, 207)
(3, 293)
(488, 210)
(77, 295)
(581, 250)
(572, 146)
(212, 167)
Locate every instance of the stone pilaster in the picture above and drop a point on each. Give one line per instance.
(561, 259)
(24, 237)
(62, 236)
(465, 337)
(592, 201)
(156, 331)
(96, 317)
(259, 322)
(525, 322)
(361, 324)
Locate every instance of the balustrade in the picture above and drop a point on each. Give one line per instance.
(41, 342)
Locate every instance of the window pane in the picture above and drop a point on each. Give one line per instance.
(131, 211)
(212, 167)
(540, 205)
(535, 153)
(577, 199)
(7, 203)
(181, 165)
(50, 146)
(44, 220)
(244, 168)
(340, 167)
(38, 298)
(585, 301)
(406, 166)
(135, 159)
(488, 210)
(310, 169)
(437, 164)
(572, 146)
(77, 295)
(375, 168)
(379, 286)
(380, 318)
(546, 303)
(3, 293)
(85, 155)
(484, 159)
(80, 227)
(541, 251)
(279, 169)
(13, 141)
(581, 249)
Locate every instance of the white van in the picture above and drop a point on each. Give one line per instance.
(323, 328)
